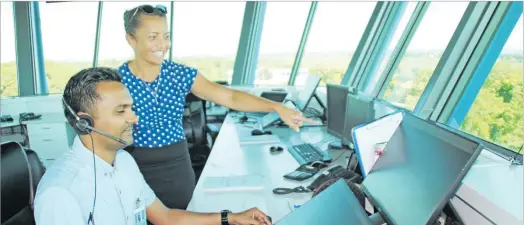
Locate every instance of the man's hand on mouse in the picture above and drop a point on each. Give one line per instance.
(251, 216)
(291, 117)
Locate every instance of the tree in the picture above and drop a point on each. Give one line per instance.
(265, 74)
(9, 80)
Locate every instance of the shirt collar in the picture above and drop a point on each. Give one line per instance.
(87, 156)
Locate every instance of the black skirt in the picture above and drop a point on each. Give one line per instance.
(168, 172)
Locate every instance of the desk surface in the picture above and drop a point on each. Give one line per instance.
(45, 118)
(494, 187)
(230, 158)
(490, 186)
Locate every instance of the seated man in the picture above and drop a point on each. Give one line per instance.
(96, 182)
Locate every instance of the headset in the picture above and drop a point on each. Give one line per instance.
(83, 126)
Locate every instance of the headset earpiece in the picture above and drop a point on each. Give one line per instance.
(82, 123)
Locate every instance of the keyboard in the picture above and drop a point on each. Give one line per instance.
(307, 153)
(335, 172)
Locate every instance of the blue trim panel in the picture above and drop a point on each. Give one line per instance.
(41, 78)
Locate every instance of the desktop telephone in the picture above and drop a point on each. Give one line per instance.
(277, 96)
(334, 173)
(305, 171)
(29, 116)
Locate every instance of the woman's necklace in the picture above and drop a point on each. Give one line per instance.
(153, 92)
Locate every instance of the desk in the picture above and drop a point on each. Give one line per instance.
(230, 158)
(492, 189)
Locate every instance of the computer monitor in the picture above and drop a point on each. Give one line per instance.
(336, 205)
(418, 172)
(304, 97)
(337, 98)
(360, 109)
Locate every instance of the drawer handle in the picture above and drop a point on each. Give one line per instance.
(47, 140)
(46, 128)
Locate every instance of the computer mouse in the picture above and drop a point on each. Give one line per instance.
(274, 149)
(257, 132)
(270, 220)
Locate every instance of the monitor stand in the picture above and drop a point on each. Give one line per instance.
(319, 101)
(323, 117)
(376, 219)
(340, 145)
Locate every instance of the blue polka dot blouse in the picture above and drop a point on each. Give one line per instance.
(159, 104)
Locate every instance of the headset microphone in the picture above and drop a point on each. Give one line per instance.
(85, 125)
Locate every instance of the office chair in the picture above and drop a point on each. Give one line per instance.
(194, 124)
(21, 173)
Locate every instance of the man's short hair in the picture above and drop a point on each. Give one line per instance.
(80, 91)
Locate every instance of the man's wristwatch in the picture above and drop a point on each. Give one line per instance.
(223, 214)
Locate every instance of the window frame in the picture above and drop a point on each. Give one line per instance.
(461, 99)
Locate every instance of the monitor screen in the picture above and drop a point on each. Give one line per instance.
(307, 93)
(337, 96)
(360, 109)
(336, 205)
(418, 172)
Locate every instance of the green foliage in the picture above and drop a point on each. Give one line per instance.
(330, 66)
(410, 79)
(9, 80)
(496, 114)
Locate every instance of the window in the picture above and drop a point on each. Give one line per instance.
(114, 49)
(496, 113)
(333, 38)
(9, 79)
(403, 22)
(206, 35)
(68, 37)
(283, 27)
(423, 53)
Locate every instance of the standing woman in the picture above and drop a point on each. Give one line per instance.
(159, 88)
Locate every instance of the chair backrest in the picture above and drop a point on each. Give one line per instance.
(195, 120)
(21, 173)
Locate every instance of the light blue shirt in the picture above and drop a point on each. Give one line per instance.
(65, 193)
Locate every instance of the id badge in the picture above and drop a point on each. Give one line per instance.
(140, 215)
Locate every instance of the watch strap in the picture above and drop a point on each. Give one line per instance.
(224, 217)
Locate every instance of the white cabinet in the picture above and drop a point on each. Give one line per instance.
(47, 135)
(48, 140)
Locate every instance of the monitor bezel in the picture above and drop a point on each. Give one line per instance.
(347, 92)
(347, 136)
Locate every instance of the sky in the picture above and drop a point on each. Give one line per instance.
(213, 28)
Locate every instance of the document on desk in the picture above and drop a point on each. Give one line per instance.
(259, 139)
(233, 183)
(370, 139)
